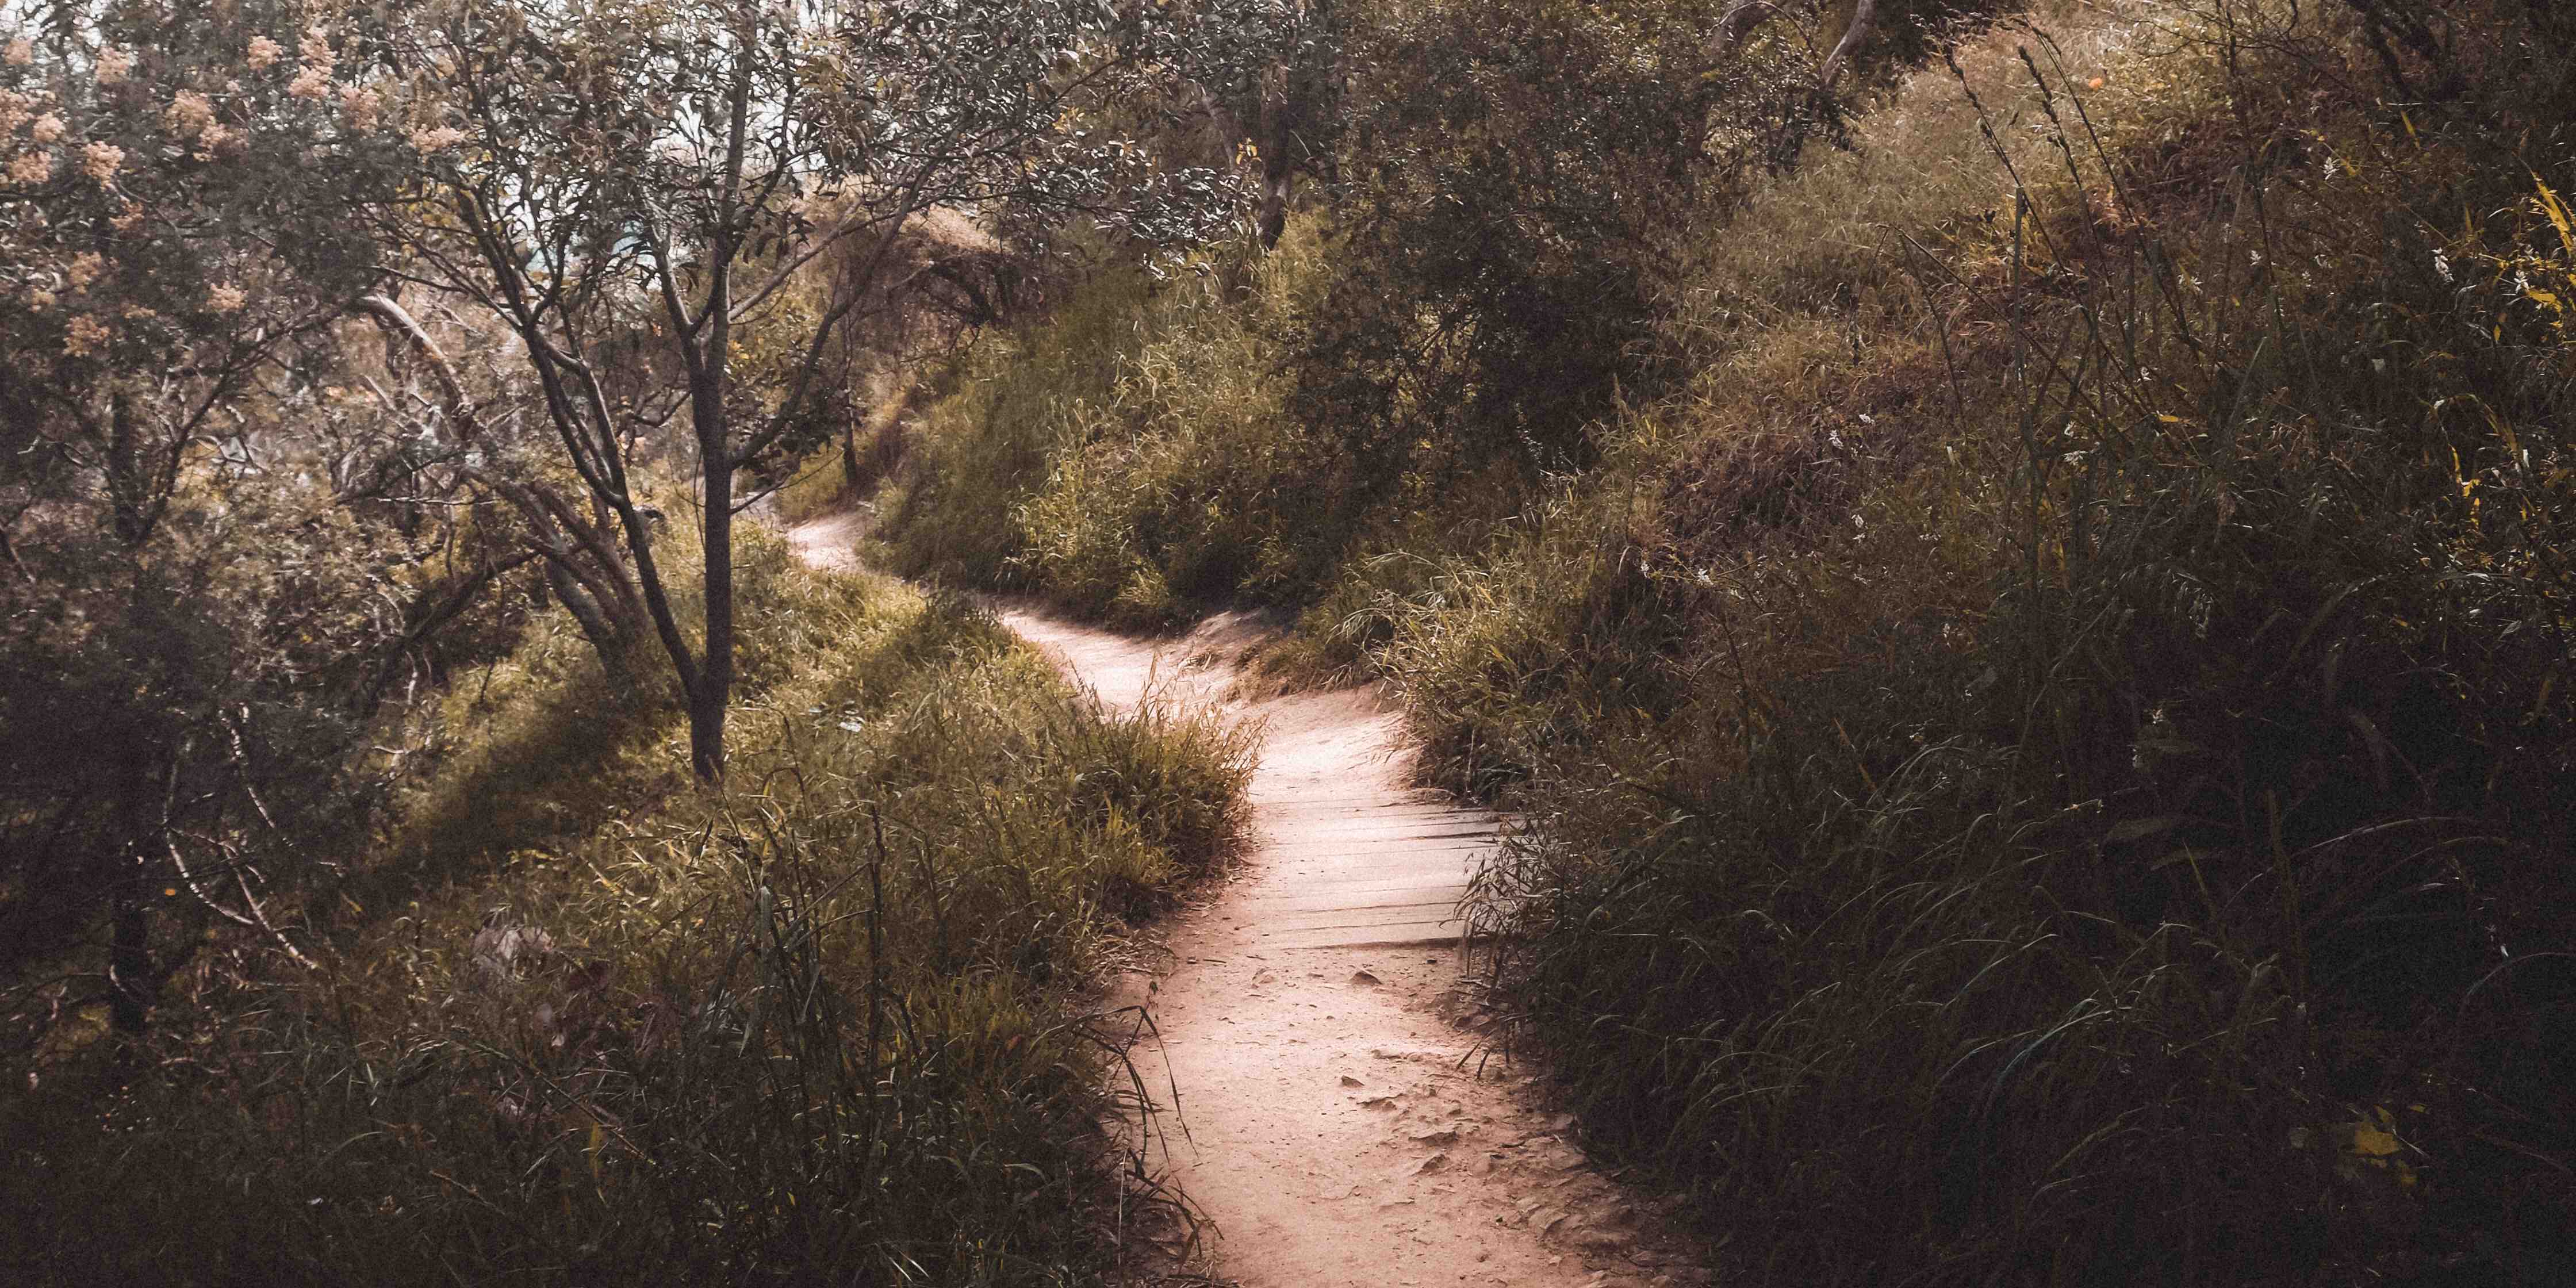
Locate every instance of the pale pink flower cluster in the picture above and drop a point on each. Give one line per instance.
(47, 128)
(15, 108)
(225, 298)
(83, 336)
(315, 46)
(22, 51)
(84, 269)
(360, 106)
(113, 64)
(100, 160)
(190, 114)
(32, 168)
(217, 138)
(40, 300)
(263, 52)
(313, 79)
(127, 218)
(437, 138)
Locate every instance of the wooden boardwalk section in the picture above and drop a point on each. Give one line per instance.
(1363, 870)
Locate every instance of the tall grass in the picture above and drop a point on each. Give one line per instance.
(826, 1024)
(2054, 770)
(1134, 457)
(2045, 736)
(1125, 455)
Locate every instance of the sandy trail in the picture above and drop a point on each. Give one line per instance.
(1342, 1129)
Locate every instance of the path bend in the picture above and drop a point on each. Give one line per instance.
(1342, 1131)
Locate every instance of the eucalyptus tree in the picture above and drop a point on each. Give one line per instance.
(633, 188)
(190, 608)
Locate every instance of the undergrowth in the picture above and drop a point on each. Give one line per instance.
(2044, 731)
(2048, 764)
(587, 1022)
(1131, 455)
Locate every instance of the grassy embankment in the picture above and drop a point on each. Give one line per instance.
(2048, 745)
(586, 1022)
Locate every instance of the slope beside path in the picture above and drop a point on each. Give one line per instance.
(1340, 1128)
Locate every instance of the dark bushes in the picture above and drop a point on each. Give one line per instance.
(825, 1025)
(2118, 833)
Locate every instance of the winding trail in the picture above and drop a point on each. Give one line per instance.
(1345, 1126)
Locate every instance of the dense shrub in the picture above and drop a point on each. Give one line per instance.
(2112, 825)
(2042, 702)
(823, 1025)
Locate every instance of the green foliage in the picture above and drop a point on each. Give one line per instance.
(826, 1024)
(2096, 724)
(1513, 176)
(2050, 687)
(1510, 187)
(178, 717)
(1131, 454)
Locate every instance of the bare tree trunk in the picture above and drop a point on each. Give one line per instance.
(612, 644)
(1864, 17)
(1737, 24)
(1744, 17)
(1291, 115)
(1278, 118)
(601, 598)
(714, 690)
(131, 986)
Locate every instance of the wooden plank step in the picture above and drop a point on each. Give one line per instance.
(1448, 818)
(1294, 850)
(1443, 934)
(1443, 898)
(1411, 858)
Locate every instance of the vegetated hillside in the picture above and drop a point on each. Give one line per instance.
(586, 1021)
(2040, 678)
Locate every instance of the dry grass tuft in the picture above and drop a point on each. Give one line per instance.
(589, 1022)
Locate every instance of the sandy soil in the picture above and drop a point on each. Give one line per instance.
(1344, 1123)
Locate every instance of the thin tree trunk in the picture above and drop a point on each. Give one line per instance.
(131, 987)
(610, 643)
(714, 690)
(1864, 18)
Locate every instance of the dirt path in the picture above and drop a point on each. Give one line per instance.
(1342, 1130)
